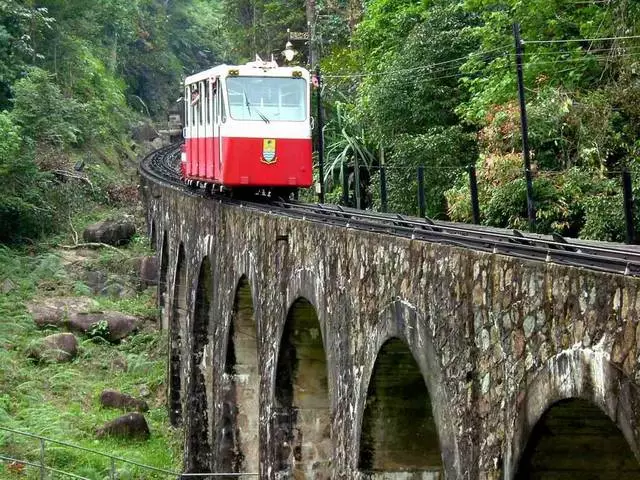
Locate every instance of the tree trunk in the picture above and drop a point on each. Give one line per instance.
(311, 28)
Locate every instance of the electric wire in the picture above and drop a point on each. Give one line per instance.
(573, 40)
(418, 68)
(470, 56)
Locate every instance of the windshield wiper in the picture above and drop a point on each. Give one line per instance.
(262, 116)
(246, 101)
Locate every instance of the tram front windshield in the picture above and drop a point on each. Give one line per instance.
(267, 99)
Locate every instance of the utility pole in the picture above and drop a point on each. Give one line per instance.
(531, 209)
(311, 26)
(320, 135)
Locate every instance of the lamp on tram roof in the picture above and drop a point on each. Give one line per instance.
(288, 51)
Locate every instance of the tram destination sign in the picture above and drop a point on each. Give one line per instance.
(299, 35)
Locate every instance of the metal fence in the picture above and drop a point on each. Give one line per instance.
(44, 471)
(353, 187)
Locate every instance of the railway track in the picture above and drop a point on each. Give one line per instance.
(161, 167)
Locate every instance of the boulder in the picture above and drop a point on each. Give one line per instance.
(157, 143)
(110, 232)
(131, 425)
(7, 286)
(52, 312)
(114, 399)
(95, 280)
(56, 348)
(144, 131)
(118, 324)
(149, 271)
(115, 289)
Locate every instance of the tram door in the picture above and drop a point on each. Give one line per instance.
(216, 95)
(208, 129)
(201, 122)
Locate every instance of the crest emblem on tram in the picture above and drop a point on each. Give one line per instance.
(269, 150)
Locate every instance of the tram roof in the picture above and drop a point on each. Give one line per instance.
(262, 69)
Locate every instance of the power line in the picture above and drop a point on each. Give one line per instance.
(569, 40)
(418, 68)
(582, 52)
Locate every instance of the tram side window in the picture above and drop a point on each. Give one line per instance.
(193, 102)
(207, 102)
(216, 102)
(223, 116)
(185, 105)
(200, 103)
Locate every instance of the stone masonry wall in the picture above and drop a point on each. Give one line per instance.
(497, 340)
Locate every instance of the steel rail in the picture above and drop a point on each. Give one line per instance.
(161, 167)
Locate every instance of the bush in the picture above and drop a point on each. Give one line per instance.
(444, 152)
(44, 113)
(23, 208)
(574, 203)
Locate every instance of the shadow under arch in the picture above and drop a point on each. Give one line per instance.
(176, 323)
(162, 281)
(199, 460)
(576, 374)
(153, 235)
(398, 429)
(240, 442)
(400, 323)
(302, 402)
(576, 438)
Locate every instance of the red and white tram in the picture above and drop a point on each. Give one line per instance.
(248, 126)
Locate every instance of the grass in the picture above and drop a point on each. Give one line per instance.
(60, 401)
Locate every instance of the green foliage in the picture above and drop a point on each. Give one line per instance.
(42, 111)
(350, 145)
(260, 27)
(24, 211)
(404, 96)
(20, 26)
(444, 152)
(99, 330)
(61, 400)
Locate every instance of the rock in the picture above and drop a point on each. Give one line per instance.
(7, 286)
(144, 391)
(131, 425)
(117, 290)
(144, 131)
(157, 143)
(54, 311)
(114, 399)
(120, 364)
(149, 270)
(95, 280)
(118, 325)
(56, 348)
(110, 232)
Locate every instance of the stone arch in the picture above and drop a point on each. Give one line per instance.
(162, 281)
(579, 373)
(302, 399)
(198, 440)
(398, 429)
(400, 321)
(240, 444)
(177, 322)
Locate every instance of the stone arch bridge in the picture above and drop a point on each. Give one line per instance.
(303, 350)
